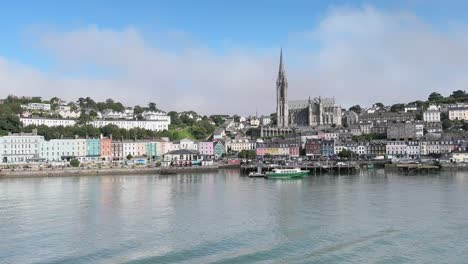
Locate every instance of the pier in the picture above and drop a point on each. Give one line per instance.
(314, 168)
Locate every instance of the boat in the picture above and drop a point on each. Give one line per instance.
(286, 173)
(256, 174)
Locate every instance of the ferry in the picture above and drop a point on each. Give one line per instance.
(286, 173)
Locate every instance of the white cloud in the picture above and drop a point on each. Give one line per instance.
(363, 56)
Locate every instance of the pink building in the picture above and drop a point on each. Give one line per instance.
(206, 148)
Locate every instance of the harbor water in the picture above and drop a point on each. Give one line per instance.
(223, 217)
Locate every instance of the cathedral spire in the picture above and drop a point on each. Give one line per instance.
(282, 109)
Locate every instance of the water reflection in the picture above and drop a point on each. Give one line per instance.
(225, 217)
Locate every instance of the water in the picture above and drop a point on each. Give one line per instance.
(224, 218)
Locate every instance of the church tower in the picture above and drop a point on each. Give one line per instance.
(282, 111)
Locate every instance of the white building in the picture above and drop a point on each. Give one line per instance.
(238, 145)
(50, 122)
(153, 125)
(432, 114)
(254, 122)
(160, 116)
(411, 107)
(265, 120)
(413, 149)
(458, 113)
(20, 147)
(37, 106)
(396, 148)
(188, 144)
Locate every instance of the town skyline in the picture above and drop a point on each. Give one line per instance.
(397, 59)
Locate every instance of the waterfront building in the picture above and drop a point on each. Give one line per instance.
(328, 148)
(20, 147)
(163, 146)
(278, 147)
(396, 148)
(303, 113)
(219, 150)
(129, 148)
(437, 147)
(151, 150)
(313, 148)
(376, 148)
(63, 149)
(140, 148)
(105, 149)
(459, 157)
(432, 114)
(93, 150)
(360, 148)
(182, 157)
(117, 150)
(339, 146)
(206, 148)
(413, 150)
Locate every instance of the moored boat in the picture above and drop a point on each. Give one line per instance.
(286, 173)
(256, 174)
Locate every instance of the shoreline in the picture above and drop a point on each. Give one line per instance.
(70, 172)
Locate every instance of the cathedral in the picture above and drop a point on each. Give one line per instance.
(303, 113)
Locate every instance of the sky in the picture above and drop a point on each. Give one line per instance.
(222, 56)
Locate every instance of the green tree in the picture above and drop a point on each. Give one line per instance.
(74, 163)
(129, 156)
(152, 106)
(356, 108)
(458, 94)
(9, 123)
(397, 108)
(435, 96)
(345, 154)
(379, 105)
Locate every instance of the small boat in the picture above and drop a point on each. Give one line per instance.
(286, 173)
(256, 174)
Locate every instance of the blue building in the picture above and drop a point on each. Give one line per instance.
(328, 148)
(93, 148)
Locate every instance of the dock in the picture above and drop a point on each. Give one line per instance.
(314, 168)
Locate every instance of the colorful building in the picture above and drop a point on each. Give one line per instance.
(219, 149)
(93, 150)
(106, 148)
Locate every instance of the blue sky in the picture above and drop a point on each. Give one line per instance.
(225, 31)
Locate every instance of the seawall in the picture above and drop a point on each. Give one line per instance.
(62, 172)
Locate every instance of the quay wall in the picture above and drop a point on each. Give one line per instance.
(61, 172)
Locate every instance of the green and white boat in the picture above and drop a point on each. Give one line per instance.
(286, 173)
